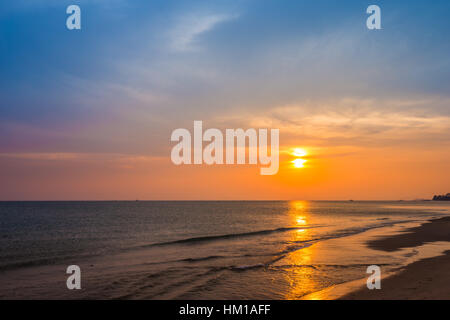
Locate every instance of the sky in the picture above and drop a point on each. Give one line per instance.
(88, 114)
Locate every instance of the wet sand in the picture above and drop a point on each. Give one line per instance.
(424, 279)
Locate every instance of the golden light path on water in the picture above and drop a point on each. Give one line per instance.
(299, 272)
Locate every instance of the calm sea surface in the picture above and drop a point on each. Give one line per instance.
(197, 250)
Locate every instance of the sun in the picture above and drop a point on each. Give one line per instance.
(299, 152)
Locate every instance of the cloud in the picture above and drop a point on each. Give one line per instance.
(43, 156)
(355, 122)
(183, 35)
(123, 161)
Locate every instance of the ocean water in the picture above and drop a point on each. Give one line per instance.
(198, 250)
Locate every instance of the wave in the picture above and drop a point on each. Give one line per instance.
(353, 231)
(23, 264)
(277, 257)
(342, 233)
(200, 259)
(307, 243)
(246, 267)
(226, 236)
(43, 262)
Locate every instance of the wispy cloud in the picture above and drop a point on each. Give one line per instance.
(45, 156)
(124, 161)
(183, 35)
(356, 122)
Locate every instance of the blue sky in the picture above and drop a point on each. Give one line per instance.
(192, 52)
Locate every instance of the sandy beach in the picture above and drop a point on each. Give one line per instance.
(424, 279)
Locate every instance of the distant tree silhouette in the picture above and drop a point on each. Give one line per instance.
(442, 197)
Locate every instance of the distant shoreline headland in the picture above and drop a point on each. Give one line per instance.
(442, 197)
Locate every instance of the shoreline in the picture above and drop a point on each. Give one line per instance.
(424, 279)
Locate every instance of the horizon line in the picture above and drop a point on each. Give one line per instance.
(223, 200)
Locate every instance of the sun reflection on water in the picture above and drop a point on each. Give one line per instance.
(299, 271)
(298, 212)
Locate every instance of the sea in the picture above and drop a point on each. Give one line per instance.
(201, 249)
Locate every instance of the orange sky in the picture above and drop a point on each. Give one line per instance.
(329, 174)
